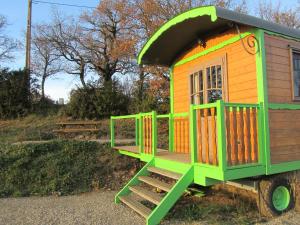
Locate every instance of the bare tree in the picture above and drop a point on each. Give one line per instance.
(7, 44)
(45, 60)
(278, 14)
(110, 38)
(66, 35)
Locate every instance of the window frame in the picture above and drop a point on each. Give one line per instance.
(219, 60)
(292, 51)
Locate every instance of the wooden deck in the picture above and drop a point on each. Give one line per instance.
(161, 153)
(179, 157)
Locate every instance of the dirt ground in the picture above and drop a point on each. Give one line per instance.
(90, 209)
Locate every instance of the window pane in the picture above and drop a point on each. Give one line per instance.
(201, 80)
(191, 84)
(201, 98)
(296, 64)
(219, 76)
(208, 77)
(214, 76)
(214, 95)
(196, 82)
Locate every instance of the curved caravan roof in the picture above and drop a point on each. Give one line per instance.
(178, 33)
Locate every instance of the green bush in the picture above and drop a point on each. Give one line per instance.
(97, 102)
(14, 95)
(60, 167)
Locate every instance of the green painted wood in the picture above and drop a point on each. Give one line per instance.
(171, 198)
(193, 133)
(134, 181)
(172, 89)
(154, 133)
(262, 85)
(221, 129)
(196, 12)
(131, 154)
(171, 133)
(212, 49)
(284, 106)
(112, 133)
(137, 131)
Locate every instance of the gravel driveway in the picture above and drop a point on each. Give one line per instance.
(92, 208)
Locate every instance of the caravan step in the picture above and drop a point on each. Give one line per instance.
(136, 206)
(146, 194)
(156, 183)
(166, 173)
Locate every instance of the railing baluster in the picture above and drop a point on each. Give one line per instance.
(206, 138)
(240, 139)
(246, 134)
(213, 127)
(233, 136)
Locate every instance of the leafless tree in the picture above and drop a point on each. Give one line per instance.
(110, 38)
(65, 34)
(278, 14)
(45, 60)
(7, 44)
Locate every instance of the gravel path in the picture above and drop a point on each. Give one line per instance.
(86, 209)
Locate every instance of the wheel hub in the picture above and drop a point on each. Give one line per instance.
(281, 198)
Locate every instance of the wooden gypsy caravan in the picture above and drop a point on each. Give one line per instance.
(234, 112)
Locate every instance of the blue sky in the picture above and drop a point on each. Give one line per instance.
(16, 13)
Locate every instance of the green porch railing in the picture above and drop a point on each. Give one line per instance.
(221, 135)
(136, 117)
(226, 135)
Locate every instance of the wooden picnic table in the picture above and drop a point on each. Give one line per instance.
(77, 126)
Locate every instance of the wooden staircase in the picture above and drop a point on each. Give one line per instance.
(153, 191)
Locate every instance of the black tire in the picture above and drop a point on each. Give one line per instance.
(267, 191)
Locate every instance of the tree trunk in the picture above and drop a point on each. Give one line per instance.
(43, 87)
(82, 74)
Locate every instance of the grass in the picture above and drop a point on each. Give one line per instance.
(62, 167)
(30, 128)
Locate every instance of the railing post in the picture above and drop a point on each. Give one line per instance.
(222, 156)
(171, 132)
(137, 130)
(260, 133)
(154, 133)
(141, 149)
(112, 132)
(193, 134)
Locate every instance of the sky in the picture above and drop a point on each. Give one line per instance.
(16, 13)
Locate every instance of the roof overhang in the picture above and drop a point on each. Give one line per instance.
(177, 34)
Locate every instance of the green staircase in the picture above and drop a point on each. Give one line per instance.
(141, 194)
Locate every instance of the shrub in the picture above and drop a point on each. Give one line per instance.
(97, 103)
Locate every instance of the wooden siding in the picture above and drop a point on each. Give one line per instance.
(284, 135)
(279, 69)
(284, 124)
(241, 73)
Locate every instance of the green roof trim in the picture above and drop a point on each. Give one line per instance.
(196, 12)
(176, 35)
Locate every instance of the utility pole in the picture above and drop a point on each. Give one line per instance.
(28, 41)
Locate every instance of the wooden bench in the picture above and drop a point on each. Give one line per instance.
(77, 127)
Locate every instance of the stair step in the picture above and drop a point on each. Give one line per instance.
(146, 194)
(166, 173)
(136, 206)
(156, 183)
